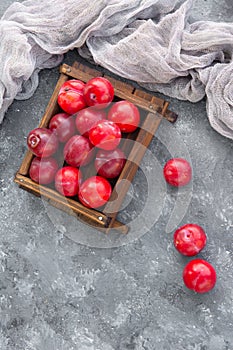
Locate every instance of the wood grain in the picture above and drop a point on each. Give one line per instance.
(72, 207)
(140, 145)
(122, 90)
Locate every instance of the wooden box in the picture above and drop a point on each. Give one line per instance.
(152, 110)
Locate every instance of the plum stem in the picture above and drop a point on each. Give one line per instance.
(33, 140)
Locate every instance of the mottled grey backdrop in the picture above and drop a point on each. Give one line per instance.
(59, 295)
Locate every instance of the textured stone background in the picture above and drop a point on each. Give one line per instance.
(59, 295)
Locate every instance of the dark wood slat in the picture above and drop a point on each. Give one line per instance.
(146, 96)
(120, 85)
(134, 159)
(72, 207)
(25, 165)
(79, 73)
(53, 107)
(122, 90)
(50, 111)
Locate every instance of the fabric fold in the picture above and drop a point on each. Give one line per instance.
(152, 42)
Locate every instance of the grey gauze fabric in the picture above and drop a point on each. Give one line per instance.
(152, 42)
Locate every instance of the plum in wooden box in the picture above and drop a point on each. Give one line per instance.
(92, 138)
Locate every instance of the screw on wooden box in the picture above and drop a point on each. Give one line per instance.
(134, 145)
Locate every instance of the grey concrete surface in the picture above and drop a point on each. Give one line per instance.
(56, 294)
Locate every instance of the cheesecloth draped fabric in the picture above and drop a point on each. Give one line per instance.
(152, 42)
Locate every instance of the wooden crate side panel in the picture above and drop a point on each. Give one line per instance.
(53, 107)
(121, 187)
(123, 90)
(51, 110)
(72, 207)
(25, 165)
(82, 73)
